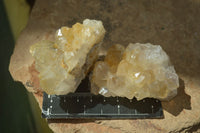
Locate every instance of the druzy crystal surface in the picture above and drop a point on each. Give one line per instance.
(139, 70)
(64, 63)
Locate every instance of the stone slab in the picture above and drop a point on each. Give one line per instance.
(175, 25)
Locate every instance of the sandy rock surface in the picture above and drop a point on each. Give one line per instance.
(172, 24)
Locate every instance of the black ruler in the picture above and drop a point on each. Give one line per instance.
(86, 105)
(83, 104)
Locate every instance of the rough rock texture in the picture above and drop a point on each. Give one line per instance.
(173, 24)
(64, 63)
(140, 70)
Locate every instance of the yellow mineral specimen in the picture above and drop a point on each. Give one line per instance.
(139, 70)
(64, 63)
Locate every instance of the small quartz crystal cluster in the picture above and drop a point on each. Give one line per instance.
(139, 70)
(64, 63)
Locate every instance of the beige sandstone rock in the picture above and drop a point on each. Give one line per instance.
(64, 63)
(140, 70)
(172, 24)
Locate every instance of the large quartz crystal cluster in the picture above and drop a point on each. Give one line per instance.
(139, 70)
(64, 63)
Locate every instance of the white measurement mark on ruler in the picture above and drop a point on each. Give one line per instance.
(49, 96)
(104, 100)
(84, 108)
(118, 109)
(117, 99)
(64, 99)
(152, 108)
(135, 111)
(51, 100)
(101, 111)
(47, 111)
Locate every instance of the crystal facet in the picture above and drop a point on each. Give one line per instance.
(139, 70)
(64, 63)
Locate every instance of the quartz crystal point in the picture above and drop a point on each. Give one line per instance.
(64, 63)
(139, 70)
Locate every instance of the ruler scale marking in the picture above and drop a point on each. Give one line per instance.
(86, 105)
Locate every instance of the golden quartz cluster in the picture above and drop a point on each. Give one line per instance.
(64, 63)
(139, 70)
